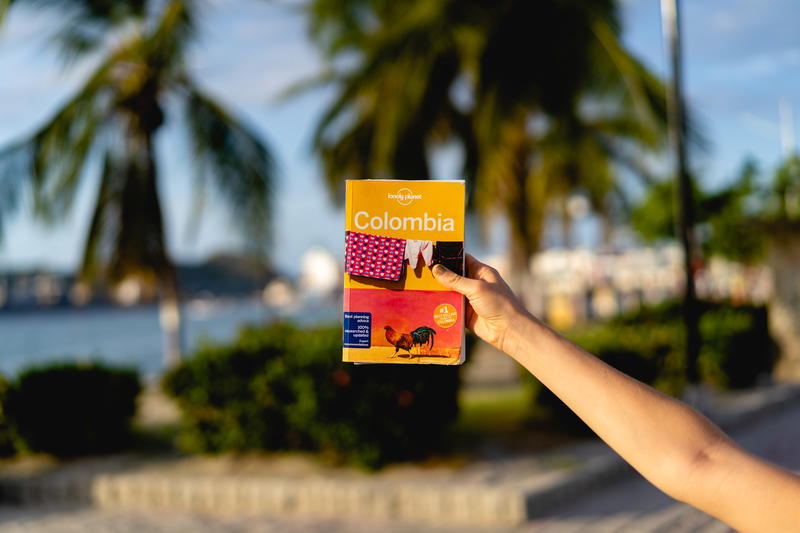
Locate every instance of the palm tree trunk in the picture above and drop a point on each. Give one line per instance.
(171, 318)
(147, 121)
(521, 278)
(525, 236)
(170, 313)
(519, 265)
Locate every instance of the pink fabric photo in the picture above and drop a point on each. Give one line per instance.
(374, 256)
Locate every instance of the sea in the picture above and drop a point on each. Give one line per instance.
(130, 337)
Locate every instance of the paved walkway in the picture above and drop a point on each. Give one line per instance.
(92, 520)
(630, 505)
(634, 505)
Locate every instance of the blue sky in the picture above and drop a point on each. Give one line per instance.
(742, 57)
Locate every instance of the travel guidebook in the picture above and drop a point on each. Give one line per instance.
(394, 309)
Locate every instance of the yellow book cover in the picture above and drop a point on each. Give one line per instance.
(394, 309)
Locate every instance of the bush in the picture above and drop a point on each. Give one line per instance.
(7, 447)
(283, 388)
(648, 344)
(73, 409)
(737, 348)
(648, 352)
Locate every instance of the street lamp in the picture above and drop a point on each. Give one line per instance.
(684, 200)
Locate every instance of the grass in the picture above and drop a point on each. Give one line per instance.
(495, 409)
(157, 422)
(501, 421)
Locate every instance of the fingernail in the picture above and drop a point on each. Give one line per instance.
(439, 269)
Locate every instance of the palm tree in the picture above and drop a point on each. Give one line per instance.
(114, 118)
(396, 102)
(3, 10)
(542, 97)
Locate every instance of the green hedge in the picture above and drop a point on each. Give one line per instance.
(648, 344)
(737, 347)
(7, 445)
(73, 409)
(282, 388)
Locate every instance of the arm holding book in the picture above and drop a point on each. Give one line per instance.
(673, 446)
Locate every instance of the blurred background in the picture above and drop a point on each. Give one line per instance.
(171, 220)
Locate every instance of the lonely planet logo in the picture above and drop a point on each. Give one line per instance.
(404, 196)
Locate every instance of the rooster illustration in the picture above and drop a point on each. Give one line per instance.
(423, 335)
(405, 341)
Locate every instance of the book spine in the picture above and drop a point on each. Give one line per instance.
(348, 210)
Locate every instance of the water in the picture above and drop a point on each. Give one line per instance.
(128, 337)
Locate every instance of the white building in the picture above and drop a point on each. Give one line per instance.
(320, 272)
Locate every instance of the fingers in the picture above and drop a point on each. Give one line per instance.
(472, 264)
(453, 281)
(478, 270)
(471, 317)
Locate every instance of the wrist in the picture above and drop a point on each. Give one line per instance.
(518, 332)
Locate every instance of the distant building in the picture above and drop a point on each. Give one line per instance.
(221, 276)
(279, 293)
(320, 272)
(579, 284)
(34, 289)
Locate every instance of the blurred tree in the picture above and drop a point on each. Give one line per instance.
(781, 227)
(783, 197)
(114, 118)
(750, 220)
(542, 97)
(727, 217)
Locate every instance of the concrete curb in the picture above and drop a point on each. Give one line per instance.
(473, 503)
(431, 504)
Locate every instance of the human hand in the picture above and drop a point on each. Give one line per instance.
(492, 308)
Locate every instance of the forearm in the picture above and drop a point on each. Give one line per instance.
(659, 436)
(672, 445)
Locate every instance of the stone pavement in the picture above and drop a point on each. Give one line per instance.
(50, 519)
(634, 505)
(591, 502)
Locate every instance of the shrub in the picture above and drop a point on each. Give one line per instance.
(7, 446)
(74, 409)
(737, 348)
(221, 408)
(647, 352)
(648, 344)
(282, 388)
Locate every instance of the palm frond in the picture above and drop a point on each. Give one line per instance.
(103, 227)
(555, 119)
(235, 159)
(343, 25)
(348, 157)
(13, 163)
(75, 41)
(105, 12)
(3, 9)
(643, 93)
(126, 233)
(323, 79)
(165, 46)
(52, 159)
(401, 103)
(84, 25)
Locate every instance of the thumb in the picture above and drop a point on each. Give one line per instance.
(450, 279)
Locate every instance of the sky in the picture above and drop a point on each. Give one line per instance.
(741, 58)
